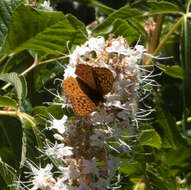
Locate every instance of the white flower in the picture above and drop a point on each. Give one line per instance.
(83, 186)
(131, 60)
(69, 72)
(140, 50)
(46, 5)
(101, 19)
(59, 125)
(126, 148)
(115, 103)
(76, 4)
(90, 166)
(101, 184)
(99, 138)
(41, 177)
(113, 165)
(60, 185)
(118, 46)
(96, 44)
(58, 151)
(77, 53)
(101, 117)
(58, 137)
(68, 172)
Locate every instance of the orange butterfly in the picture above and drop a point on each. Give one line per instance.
(88, 88)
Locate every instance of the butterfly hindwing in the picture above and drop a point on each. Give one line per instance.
(71, 87)
(104, 78)
(78, 93)
(82, 105)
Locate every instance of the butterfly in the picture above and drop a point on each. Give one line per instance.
(88, 88)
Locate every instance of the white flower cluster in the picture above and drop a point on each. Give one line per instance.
(84, 141)
(46, 5)
(123, 61)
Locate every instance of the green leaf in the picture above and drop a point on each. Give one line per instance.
(147, 8)
(19, 83)
(41, 110)
(186, 57)
(7, 102)
(162, 7)
(54, 110)
(6, 9)
(123, 13)
(167, 130)
(150, 138)
(7, 173)
(103, 8)
(159, 177)
(77, 24)
(174, 71)
(122, 27)
(43, 32)
(133, 168)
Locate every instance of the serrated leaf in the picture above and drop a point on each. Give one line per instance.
(174, 71)
(43, 32)
(103, 8)
(7, 102)
(150, 138)
(162, 7)
(18, 82)
(123, 13)
(7, 173)
(122, 27)
(6, 9)
(147, 8)
(77, 24)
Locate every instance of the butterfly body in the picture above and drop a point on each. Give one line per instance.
(88, 88)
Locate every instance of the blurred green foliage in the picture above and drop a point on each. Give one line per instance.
(30, 37)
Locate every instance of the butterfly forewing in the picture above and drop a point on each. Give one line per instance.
(104, 78)
(85, 73)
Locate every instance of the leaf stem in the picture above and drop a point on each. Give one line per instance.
(155, 35)
(54, 59)
(19, 114)
(4, 57)
(35, 63)
(163, 41)
(188, 6)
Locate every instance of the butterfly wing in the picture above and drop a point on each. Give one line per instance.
(82, 105)
(77, 91)
(104, 79)
(85, 73)
(70, 86)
